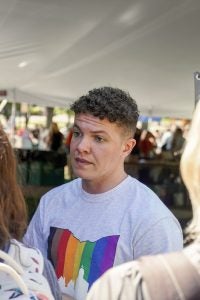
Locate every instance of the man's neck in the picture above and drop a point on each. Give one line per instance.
(101, 186)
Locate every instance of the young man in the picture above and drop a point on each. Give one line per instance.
(104, 217)
(164, 276)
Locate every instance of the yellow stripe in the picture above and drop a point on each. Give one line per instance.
(77, 259)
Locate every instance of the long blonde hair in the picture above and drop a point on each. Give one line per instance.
(190, 171)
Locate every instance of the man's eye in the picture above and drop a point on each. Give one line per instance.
(76, 133)
(99, 139)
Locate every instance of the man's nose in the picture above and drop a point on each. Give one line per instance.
(83, 145)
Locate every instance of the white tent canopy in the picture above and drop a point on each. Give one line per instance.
(17, 96)
(51, 52)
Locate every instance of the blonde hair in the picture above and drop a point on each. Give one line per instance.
(190, 171)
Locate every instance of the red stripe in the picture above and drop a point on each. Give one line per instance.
(61, 249)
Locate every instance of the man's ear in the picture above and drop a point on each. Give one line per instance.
(129, 144)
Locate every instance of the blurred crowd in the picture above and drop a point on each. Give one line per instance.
(40, 138)
(162, 144)
(166, 143)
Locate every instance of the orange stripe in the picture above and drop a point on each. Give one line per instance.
(69, 258)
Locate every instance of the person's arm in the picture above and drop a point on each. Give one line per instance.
(123, 282)
(50, 275)
(26, 267)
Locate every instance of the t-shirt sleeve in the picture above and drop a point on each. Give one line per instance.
(165, 235)
(34, 236)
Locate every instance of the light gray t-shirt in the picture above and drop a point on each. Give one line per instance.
(85, 234)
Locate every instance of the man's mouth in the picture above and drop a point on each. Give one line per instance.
(82, 161)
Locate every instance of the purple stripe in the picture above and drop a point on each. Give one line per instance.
(109, 254)
(102, 257)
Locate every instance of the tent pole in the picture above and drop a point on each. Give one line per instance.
(197, 86)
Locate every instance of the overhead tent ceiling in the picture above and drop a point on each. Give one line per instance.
(52, 52)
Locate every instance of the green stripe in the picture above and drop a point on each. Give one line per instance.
(87, 258)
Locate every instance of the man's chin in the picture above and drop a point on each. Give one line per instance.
(82, 174)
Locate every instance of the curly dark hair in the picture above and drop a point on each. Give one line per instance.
(111, 103)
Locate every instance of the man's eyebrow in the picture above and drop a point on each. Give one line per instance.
(76, 126)
(99, 132)
(92, 131)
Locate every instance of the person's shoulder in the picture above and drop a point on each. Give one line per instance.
(146, 197)
(26, 265)
(140, 188)
(62, 189)
(29, 258)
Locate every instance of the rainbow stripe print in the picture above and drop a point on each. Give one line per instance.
(69, 255)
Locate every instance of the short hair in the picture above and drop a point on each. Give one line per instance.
(13, 213)
(111, 103)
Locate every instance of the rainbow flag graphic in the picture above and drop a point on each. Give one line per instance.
(69, 255)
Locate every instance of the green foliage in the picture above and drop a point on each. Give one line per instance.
(36, 110)
(60, 111)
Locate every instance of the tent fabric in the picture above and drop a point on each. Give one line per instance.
(52, 52)
(16, 95)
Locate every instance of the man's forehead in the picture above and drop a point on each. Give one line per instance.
(92, 124)
(95, 124)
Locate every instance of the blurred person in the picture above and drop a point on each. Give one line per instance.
(178, 141)
(35, 136)
(43, 133)
(166, 140)
(104, 217)
(55, 138)
(147, 144)
(23, 139)
(68, 139)
(170, 276)
(67, 145)
(13, 222)
(165, 144)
